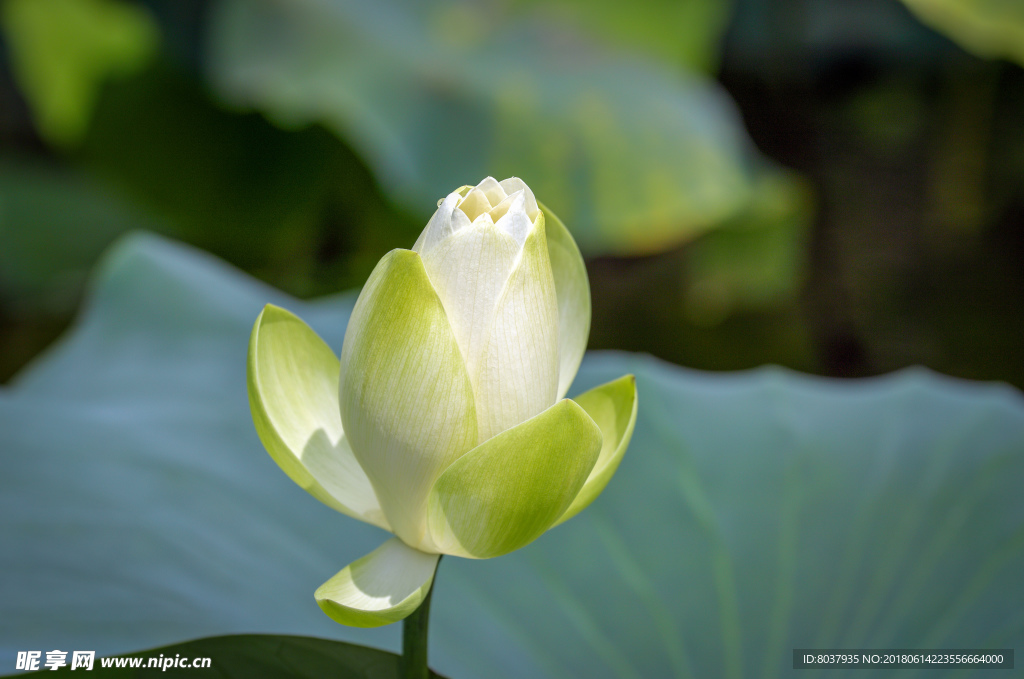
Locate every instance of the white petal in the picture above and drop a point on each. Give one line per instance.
(516, 377)
(573, 290)
(469, 271)
(474, 204)
(499, 210)
(483, 219)
(511, 217)
(293, 394)
(490, 186)
(515, 184)
(383, 587)
(336, 469)
(441, 225)
(405, 396)
(459, 221)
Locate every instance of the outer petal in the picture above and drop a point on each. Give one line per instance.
(613, 407)
(573, 290)
(516, 375)
(406, 399)
(441, 224)
(383, 587)
(293, 395)
(469, 270)
(507, 491)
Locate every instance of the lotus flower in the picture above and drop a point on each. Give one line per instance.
(445, 421)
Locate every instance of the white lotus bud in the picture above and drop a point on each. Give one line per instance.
(444, 421)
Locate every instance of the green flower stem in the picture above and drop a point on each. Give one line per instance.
(414, 640)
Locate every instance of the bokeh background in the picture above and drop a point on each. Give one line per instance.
(836, 186)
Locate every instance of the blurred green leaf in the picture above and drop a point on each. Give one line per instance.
(790, 41)
(686, 34)
(295, 207)
(54, 225)
(754, 513)
(755, 260)
(62, 51)
(233, 183)
(257, 656)
(988, 28)
(435, 95)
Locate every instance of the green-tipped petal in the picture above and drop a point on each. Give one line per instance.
(507, 491)
(293, 395)
(573, 290)
(406, 399)
(613, 407)
(516, 374)
(383, 587)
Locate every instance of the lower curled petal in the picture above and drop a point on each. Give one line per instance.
(507, 491)
(613, 408)
(383, 587)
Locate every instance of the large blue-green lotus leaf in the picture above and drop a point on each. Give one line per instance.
(754, 512)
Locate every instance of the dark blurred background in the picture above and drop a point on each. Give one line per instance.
(831, 185)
